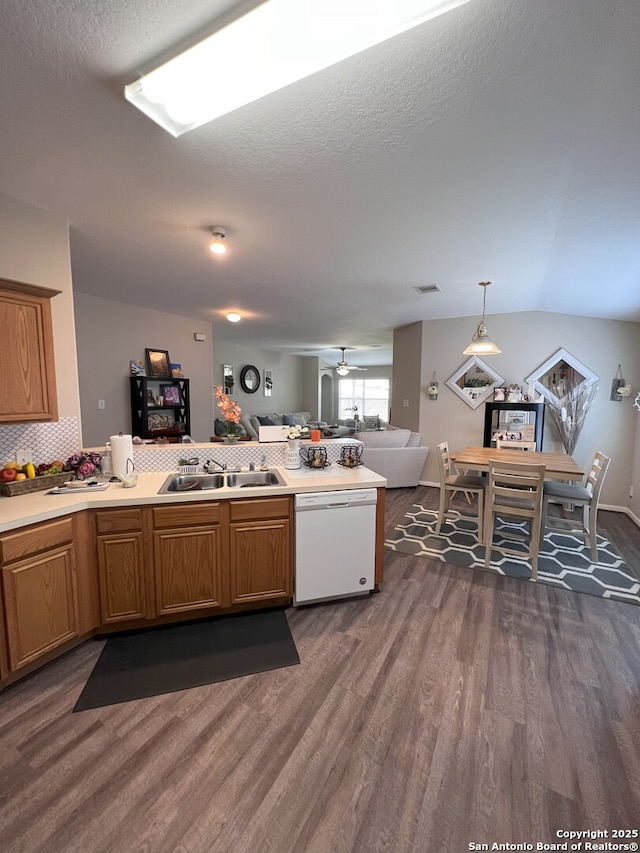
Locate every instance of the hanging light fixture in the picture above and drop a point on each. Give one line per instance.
(217, 245)
(481, 343)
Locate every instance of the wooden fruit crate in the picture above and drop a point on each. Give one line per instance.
(36, 484)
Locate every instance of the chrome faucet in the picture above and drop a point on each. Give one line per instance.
(221, 465)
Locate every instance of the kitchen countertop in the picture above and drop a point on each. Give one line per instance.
(19, 511)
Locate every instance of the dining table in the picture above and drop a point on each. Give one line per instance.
(557, 466)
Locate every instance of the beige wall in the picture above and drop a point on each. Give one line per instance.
(34, 248)
(287, 373)
(109, 334)
(406, 385)
(527, 340)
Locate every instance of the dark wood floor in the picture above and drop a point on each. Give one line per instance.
(453, 707)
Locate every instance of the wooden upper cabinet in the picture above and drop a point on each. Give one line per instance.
(28, 388)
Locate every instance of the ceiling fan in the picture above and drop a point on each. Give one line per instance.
(342, 368)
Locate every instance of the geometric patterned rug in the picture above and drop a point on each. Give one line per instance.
(563, 561)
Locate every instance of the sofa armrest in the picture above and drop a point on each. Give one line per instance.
(401, 466)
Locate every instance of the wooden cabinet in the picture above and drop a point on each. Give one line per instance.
(28, 389)
(122, 565)
(261, 550)
(190, 557)
(39, 590)
(160, 408)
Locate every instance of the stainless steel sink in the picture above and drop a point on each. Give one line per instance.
(210, 482)
(191, 483)
(248, 479)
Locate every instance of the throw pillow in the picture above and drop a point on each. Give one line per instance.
(300, 419)
(218, 427)
(265, 421)
(288, 420)
(246, 423)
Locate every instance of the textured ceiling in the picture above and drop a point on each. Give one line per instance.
(499, 141)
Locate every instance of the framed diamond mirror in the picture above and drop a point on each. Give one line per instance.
(474, 381)
(560, 371)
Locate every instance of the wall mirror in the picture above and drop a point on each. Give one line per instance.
(561, 371)
(268, 383)
(228, 380)
(474, 381)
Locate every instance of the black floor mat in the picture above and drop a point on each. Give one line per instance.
(176, 657)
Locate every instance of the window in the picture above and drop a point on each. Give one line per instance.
(363, 397)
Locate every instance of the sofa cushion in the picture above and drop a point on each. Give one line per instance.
(370, 422)
(245, 420)
(386, 438)
(265, 420)
(289, 420)
(301, 418)
(414, 440)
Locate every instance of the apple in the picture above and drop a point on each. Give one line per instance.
(8, 475)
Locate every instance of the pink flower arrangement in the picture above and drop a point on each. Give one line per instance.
(230, 411)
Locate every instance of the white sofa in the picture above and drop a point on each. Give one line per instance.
(395, 454)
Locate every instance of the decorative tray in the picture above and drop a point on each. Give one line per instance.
(35, 484)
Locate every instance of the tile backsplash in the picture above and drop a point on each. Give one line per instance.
(47, 441)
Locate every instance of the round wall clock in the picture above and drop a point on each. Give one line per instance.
(250, 379)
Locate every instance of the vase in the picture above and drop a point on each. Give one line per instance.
(230, 439)
(292, 454)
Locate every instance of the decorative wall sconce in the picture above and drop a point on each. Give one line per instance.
(619, 387)
(432, 388)
(268, 383)
(228, 379)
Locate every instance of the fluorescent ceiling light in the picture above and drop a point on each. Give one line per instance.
(270, 47)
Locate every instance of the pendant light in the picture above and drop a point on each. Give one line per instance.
(481, 343)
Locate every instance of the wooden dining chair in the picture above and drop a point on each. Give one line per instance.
(585, 495)
(514, 490)
(451, 482)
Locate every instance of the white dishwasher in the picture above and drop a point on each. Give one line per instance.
(335, 544)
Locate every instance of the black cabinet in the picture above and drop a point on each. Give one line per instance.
(160, 407)
(527, 419)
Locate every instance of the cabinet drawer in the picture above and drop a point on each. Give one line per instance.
(118, 520)
(186, 515)
(260, 508)
(14, 546)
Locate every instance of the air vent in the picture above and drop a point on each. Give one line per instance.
(427, 288)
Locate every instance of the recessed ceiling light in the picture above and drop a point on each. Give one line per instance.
(272, 46)
(233, 317)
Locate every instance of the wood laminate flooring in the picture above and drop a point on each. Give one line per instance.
(452, 708)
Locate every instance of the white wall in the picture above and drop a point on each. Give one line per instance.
(527, 340)
(287, 374)
(34, 249)
(109, 334)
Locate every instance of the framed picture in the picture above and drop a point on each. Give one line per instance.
(158, 363)
(171, 394)
(499, 395)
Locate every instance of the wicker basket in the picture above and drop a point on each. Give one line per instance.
(36, 484)
(188, 469)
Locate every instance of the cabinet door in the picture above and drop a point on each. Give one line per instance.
(261, 560)
(40, 605)
(28, 388)
(121, 571)
(188, 568)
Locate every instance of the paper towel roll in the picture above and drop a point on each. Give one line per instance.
(121, 452)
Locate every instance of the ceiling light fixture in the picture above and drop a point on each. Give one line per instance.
(217, 246)
(273, 45)
(481, 343)
(233, 317)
